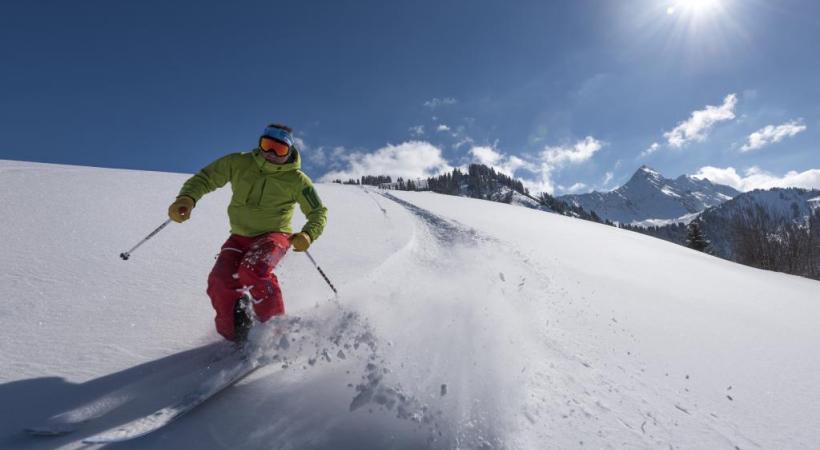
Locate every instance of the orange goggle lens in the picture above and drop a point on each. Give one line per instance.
(271, 145)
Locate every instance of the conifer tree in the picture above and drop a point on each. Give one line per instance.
(695, 239)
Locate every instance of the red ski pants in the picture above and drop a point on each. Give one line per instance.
(245, 264)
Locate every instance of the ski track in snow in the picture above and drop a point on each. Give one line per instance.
(379, 205)
(621, 413)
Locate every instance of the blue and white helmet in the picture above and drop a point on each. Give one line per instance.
(279, 134)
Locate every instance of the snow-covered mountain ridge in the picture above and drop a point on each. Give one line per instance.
(648, 196)
(780, 205)
(788, 203)
(461, 323)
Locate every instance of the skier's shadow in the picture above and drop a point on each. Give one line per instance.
(31, 402)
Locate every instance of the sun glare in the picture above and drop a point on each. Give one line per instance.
(698, 33)
(693, 7)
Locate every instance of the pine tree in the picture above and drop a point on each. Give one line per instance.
(695, 239)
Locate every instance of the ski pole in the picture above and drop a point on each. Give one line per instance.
(126, 255)
(322, 273)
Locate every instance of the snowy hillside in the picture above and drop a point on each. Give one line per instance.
(650, 199)
(461, 323)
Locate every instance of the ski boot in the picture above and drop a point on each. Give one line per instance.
(242, 320)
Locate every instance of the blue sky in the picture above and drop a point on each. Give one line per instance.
(569, 96)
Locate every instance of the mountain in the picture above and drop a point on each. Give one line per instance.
(650, 198)
(461, 323)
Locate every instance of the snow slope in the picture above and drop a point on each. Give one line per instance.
(461, 323)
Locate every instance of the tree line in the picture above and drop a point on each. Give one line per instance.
(368, 180)
(479, 181)
(761, 239)
(754, 236)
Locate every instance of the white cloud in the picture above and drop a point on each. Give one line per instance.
(543, 183)
(756, 178)
(544, 166)
(443, 127)
(651, 149)
(486, 155)
(549, 160)
(771, 134)
(417, 130)
(578, 153)
(413, 159)
(464, 141)
(300, 143)
(607, 178)
(514, 163)
(436, 102)
(323, 156)
(698, 126)
(574, 189)
(506, 164)
(554, 158)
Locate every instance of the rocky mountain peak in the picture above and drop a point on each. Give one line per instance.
(649, 196)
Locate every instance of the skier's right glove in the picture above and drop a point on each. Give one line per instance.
(300, 241)
(180, 210)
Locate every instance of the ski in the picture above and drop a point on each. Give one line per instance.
(215, 384)
(53, 429)
(70, 421)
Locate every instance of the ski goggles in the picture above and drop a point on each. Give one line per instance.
(272, 145)
(276, 140)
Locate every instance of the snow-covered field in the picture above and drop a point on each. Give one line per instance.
(460, 323)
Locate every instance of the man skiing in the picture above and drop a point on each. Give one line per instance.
(267, 182)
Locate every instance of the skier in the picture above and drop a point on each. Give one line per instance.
(266, 183)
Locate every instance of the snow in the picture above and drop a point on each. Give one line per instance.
(684, 219)
(650, 172)
(461, 323)
(522, 200)
(669, 191)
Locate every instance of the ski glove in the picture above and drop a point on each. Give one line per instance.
(300, 241)
(180, 210)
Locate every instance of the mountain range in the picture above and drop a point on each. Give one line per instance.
(650, 199)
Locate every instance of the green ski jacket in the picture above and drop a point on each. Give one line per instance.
(264, 194)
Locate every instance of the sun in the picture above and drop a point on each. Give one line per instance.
(699, 33)
(694, 7)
